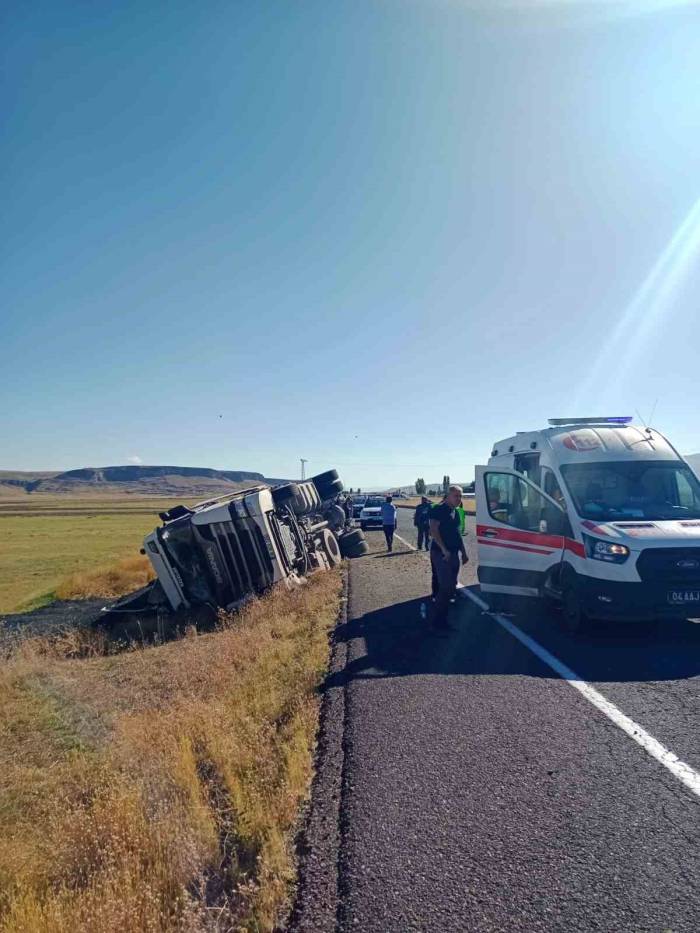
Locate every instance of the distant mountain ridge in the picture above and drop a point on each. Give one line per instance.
(133, 479)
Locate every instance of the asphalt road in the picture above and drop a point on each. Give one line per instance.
(477, 790)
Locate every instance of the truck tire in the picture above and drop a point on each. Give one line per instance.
(302, 497)
(331, 490)
(330, 546)
(350, 540)
(285, 493)
(358, 550)
(328, 477)
(327, 484)
(573, 618)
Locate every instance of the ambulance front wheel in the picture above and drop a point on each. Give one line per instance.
(574, 618)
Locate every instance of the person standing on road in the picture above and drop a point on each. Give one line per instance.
(421, 519)
(445, 552)
(389, 522)
(347, 506)
(462, 516)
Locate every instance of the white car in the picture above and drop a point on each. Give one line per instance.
(371, 513)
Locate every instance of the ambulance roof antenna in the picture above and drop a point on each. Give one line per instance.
(646, 423)
(653, 412)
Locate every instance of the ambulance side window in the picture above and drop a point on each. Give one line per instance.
(685, 493)
(551, 487)
(512, 501)
(529, 465)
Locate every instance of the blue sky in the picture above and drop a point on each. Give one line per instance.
(377, 234)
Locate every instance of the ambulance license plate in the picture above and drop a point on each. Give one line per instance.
(682, 597)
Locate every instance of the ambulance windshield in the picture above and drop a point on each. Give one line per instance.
(633, 489)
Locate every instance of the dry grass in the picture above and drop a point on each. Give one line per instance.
(157, 789)
(107, 582)
(44, 539)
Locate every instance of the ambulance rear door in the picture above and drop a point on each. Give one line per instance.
(521, 532)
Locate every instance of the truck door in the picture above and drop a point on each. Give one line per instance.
(520, 532)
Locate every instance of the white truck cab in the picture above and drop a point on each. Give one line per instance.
(595, 512)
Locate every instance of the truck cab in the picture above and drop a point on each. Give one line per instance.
(597, 513)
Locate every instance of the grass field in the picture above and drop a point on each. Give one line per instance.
(158, 789)
(44, 539)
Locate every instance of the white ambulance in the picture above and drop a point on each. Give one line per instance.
(596, 513)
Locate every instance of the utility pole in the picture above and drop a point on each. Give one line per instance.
(303, 467)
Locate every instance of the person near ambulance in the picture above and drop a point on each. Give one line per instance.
(462, 516)
(421, 521)
(445, 551)
(389, 521)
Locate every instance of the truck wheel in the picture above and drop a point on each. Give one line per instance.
(303, 497)
(350, 540)
(573, 617)
(327, 484)
(358, 550)
(286, 493)
(322, 478)
(330, 546)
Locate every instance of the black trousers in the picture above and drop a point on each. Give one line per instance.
(445, 573)
(389, 535)
(423, 538)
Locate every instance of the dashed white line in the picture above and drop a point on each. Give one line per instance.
(679, 769)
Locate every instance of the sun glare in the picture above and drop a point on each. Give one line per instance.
(651, 307)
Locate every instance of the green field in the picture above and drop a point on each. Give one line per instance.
(46, 538)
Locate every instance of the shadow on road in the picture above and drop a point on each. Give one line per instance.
(396, 642)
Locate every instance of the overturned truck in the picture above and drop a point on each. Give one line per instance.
(220, 552)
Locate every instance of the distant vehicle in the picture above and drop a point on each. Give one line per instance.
(595, 513)
(371, 514)
(357, 504)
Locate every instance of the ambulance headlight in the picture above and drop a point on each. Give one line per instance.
(609, 551)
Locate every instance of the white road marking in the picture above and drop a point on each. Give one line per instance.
(404, 541)
(679, 769)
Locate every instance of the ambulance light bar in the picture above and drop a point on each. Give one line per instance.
(621, 419)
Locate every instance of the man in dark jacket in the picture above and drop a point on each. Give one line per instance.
(421, 519)
(445, 552)
(347, 507)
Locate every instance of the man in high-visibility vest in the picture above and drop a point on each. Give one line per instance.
(462, 516)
